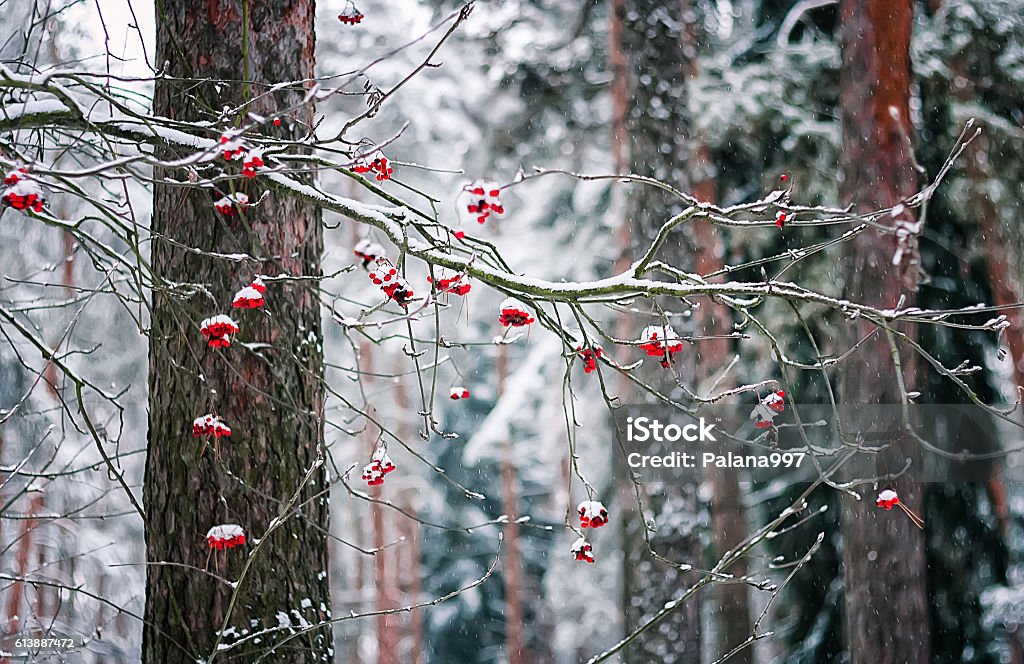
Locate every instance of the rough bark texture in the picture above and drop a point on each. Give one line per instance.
(886, 612)
(652, 34)
(271, 393)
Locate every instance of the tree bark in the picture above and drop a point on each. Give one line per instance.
(221, 53)
(512, 563)
(886, 610)
(728, 520)
(657, 64)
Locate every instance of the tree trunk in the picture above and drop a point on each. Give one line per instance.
(512, 563)
(886, 611)
(728, 520)
(657, 63)
(271, 393)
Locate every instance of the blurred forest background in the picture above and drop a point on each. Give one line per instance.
(719, 98)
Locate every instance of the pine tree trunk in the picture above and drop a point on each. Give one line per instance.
(512, 564)
(657, 64)
(270, 393)
(728, 520)
(886, 610)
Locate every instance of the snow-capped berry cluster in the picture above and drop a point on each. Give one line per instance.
(514, 313)
(776, 401)
(210, 425)
(449, 281)
(226, 536)
(250, 297)
(231, 145)
(661, 341)
(394, 285)
(13, 177)
(373, 474)
(484, 200)
(582, 550)
(21, 192)
(379, 466)
(231, 204)
(458, 392)
(219, 330)
(764, 412)
(590, 357)
(368, 251)
(253, 160)
(592, 514)
(350, 15)
(378, 165)
(782, 216)
(887, 499)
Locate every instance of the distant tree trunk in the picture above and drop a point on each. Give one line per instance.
(1006, 291)
(657, 64)
(388, 636)
(25, 542)
(512, 564)
(222, 53)
(620, 87)
(728, 520)
(384, 581)
(886, 610)
(413, 587)
(411, 569)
